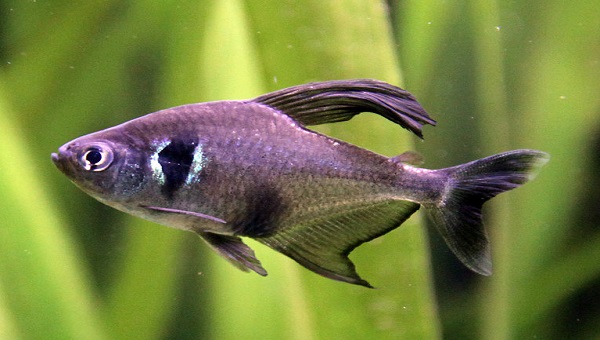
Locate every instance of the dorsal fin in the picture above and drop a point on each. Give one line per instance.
(322, 244)
(340, 100)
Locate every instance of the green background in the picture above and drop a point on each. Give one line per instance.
(495, 75)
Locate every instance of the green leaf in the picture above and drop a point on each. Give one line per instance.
(502, 76)
(494, 75)
(44, 283)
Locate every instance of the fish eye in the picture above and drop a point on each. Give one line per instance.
(96, 157)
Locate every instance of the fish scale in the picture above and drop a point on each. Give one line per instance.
(228, 170)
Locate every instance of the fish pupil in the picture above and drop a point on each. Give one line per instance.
(94, 156)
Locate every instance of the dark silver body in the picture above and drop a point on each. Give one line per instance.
(251, 168)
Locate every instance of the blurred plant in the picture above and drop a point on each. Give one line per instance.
(495, 76)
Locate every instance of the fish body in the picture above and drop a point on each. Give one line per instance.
(251, 168)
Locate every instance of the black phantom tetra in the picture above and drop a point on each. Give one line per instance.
(251, 168)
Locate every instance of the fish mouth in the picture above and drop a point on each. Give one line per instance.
(61, 157)
(58, 161)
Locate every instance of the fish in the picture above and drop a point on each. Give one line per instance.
(234, 169)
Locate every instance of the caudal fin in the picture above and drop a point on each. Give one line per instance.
(458, 215)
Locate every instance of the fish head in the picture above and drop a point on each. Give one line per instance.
(105, 168)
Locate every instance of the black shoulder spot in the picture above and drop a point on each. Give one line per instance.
(176, 160)
(264, 208)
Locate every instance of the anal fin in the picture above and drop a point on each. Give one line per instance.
(322, 244)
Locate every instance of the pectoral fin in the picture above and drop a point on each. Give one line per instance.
(230, 247)
(235, 251)
(322, 244)
(184, 212)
